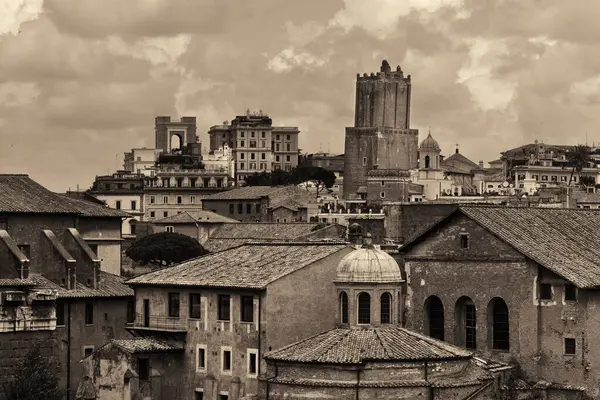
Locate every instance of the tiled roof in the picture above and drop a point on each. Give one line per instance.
(583, 197)
(110, 285)
(230, 235)
(459, 161)
(21, 194)
(356, 346)
(559, 239)
(190, 217)
(91, 209)
(251, 266)
(147, 345)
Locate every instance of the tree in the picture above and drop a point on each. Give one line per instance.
(34, 377)
(579, 158)
(320, 177)
(587, 181)
(165, 248)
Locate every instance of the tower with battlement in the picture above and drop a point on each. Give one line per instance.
(381, 137)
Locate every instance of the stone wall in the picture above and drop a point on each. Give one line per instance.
(405, 219)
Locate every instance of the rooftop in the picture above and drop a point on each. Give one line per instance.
(144, 345)
(231, 235)
(257, 192)
(251, 266)
(21, 194)
(91, 209)
(190, 217)
(357, 346)
(109, 285)
(561, 240)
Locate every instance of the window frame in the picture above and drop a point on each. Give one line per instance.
(464, 241)
(574, 297)
(89, 313)
(249, 353)
(174, 302)
(224, 351)
(202, 347)
(192, 306)
(220, 304)
(542, 287)
(566, 346)
(243, 308)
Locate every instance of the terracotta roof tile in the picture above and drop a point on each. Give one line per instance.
(144, 345)
(561, 240)
(251, 266)
(110, 285)
(91, 209)
(230, 235)
(356, 346)
(21, 194)
(190, 217)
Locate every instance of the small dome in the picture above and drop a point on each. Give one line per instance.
(368, 265)
(429, 144)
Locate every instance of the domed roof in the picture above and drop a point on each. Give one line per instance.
(368, 265)
(429, 144)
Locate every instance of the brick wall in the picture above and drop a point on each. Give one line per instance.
(405, 219)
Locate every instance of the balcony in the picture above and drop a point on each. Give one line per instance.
(159, 323)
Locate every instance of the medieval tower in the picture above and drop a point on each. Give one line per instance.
(381, 137)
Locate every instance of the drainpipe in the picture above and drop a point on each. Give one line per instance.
(68, 350)
(426, 377)
(259, 335)
(358, 383)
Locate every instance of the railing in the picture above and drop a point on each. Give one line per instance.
(160, 322)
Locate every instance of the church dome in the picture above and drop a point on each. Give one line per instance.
(368, 265)
(429, 144)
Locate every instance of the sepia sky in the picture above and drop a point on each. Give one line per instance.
(82, 80)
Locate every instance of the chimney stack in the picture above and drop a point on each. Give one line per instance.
(481, 164)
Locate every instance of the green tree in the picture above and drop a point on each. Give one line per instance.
(165, 248)
(579, 158)
(34, 377)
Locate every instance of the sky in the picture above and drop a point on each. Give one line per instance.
(81, 81)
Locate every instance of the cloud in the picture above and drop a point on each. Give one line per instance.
(80, 85)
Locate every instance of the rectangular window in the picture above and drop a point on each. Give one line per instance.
(242, 166)
(241, 156)
(224, 303)
(242, 134)
(263, 156)
(276, 146)
(288, 147)
(257, 208)
(199, 395)
(165, 214)
(544, 177)
(252, 156)
(277, 158)
(570, 293)
(231, 208)
(173, 304)
(226, 360)
(464, 240)
(144, 369)
(60, 313)
(570, 346)
(133, 205)
(276, 137)
(545, 291)
(3, 223)
(130, 312)
(89, 313)
(247, 308)
(200, 358)
(165, 199)
(169, 229)
(240, 208)
(287, 158)
(195, 310)
(118, 204)
(179, 199)
(193, 182)
(87, 350)
(248, 208)
(223, 396)
(252, 362)
(242, 144)
(152, 199)
(192, 199)
(152, 214)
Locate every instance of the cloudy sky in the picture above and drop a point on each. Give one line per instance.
(82, 80)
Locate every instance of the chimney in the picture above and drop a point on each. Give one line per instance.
(481, 164)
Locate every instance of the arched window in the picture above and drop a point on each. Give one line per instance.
(466, 323)
(343, 308)
(498, 324)
(434, 317)
(427, 161)
(364, 308)
(176, 142)
(386, 308)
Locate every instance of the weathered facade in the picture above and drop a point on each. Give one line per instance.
(514, 283)
(261, 203)
(381, 136)
(55, 278)
(199, 224)
(204, 325)
(369, 355)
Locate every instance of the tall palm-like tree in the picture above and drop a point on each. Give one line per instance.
(579, 158)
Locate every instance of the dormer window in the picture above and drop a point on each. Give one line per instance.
(464, 240)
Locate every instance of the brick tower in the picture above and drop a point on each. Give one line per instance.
(381, 137)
